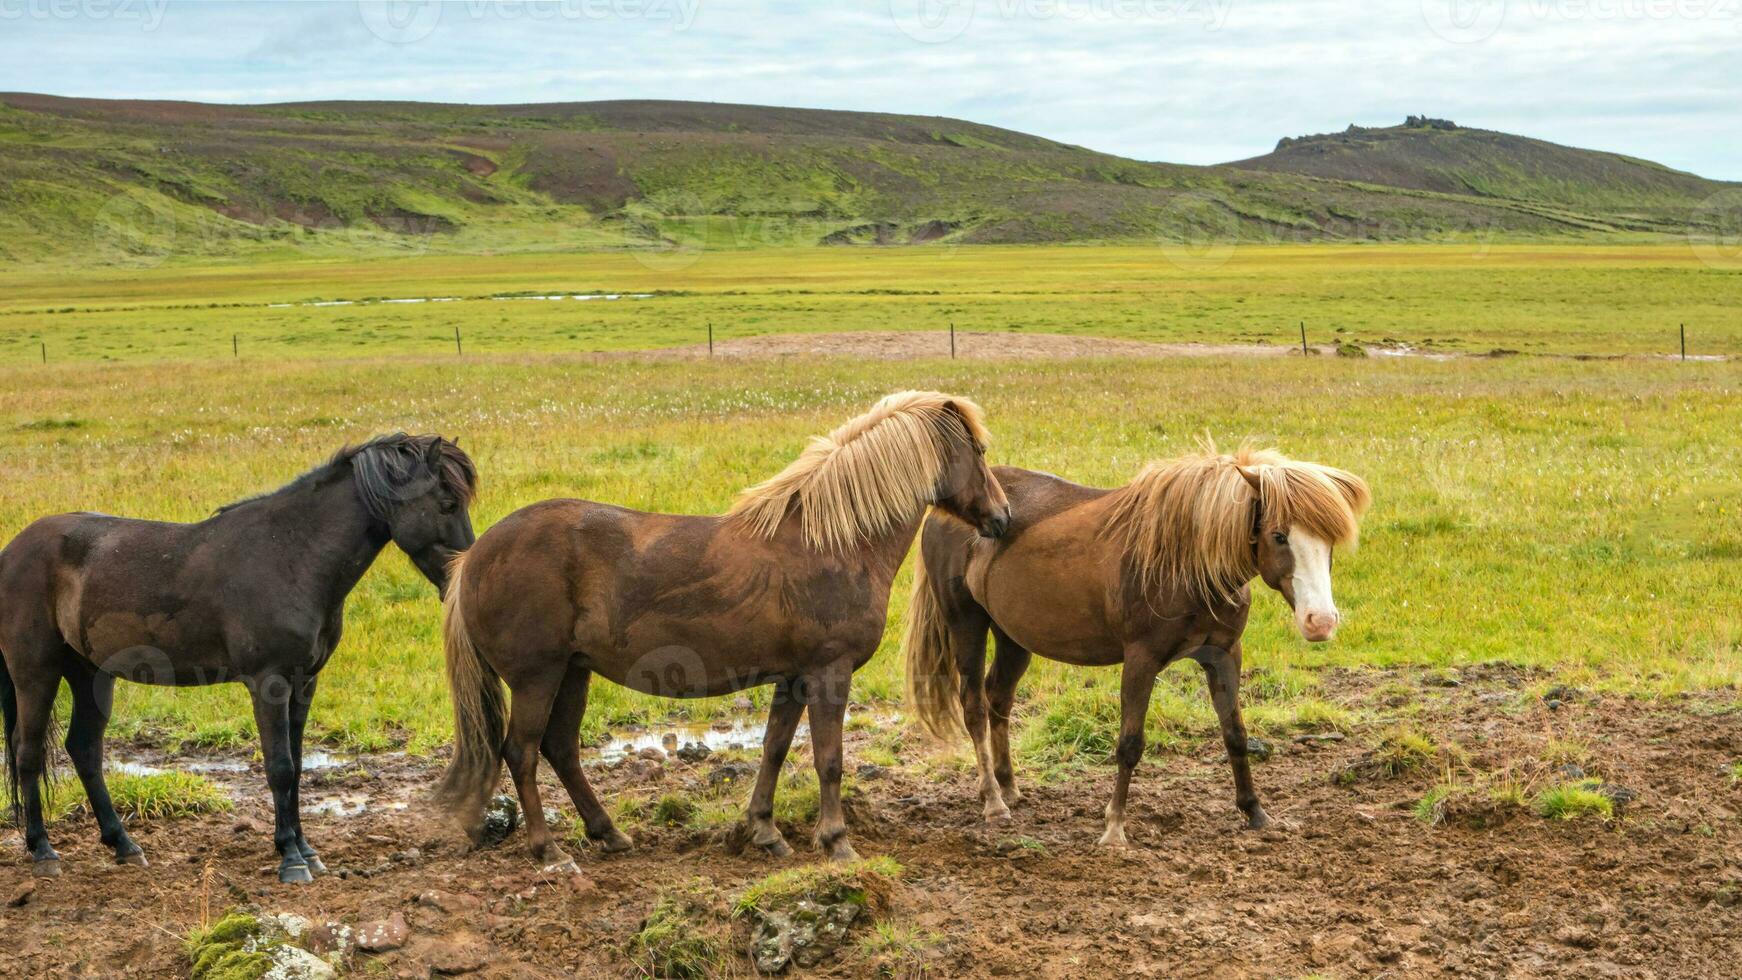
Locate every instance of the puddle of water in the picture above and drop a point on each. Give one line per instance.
(348, 805)
(132, 768)
(741, 733)
(215, 765)
(726, 733)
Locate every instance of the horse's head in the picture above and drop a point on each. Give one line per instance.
(1302, 511)
(966, 486)
(420, 487)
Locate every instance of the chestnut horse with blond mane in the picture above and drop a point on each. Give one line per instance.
(1141, 576)
(790, 588)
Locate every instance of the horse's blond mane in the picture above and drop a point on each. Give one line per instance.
(1188, 521)
(869, 475)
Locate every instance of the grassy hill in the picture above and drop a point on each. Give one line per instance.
(1440, 156)
(118, 182)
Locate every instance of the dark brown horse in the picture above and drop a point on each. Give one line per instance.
(791, 588)
(255, 593)
(1140, 576)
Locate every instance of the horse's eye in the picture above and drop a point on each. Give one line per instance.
(1279, 537)
(449, 506)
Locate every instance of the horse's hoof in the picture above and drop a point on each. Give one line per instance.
(776, 848)
(1011, 798)
(615, 842)
(315, 865)
(998, 817)
(843, 851)
(46, 868)
(1257, 819)
(1114, 839)
(295, 874)
(137, 859)
(566, 866)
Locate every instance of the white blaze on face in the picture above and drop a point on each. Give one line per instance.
(1315, 613)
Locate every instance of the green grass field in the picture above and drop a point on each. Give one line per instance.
(1564, 299)
(1581, 516)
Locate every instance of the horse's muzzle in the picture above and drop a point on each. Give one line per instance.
(995, 526)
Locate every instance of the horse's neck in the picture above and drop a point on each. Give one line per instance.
(884, 555)
(322, 528)
(879, 557)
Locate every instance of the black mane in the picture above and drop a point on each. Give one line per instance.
(387, 469)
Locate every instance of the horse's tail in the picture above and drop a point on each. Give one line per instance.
(934, 685)
(480, 712)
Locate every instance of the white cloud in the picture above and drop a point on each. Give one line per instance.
(1191, 81)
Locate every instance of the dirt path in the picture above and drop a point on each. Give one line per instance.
(1351, 884)
(909, 344)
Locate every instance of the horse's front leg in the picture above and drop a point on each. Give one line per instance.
(783, 715)
(828, 692)
(1222, 672)
(273, 695)
(1136, 682)
(93, 699)
(303, 697)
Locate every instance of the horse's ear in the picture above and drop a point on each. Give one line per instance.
(432, 454)
(1250, 474)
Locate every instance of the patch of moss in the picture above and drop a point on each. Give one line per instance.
(236, 947)
(678, 940)
(866, 883)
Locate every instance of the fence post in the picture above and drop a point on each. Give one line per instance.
(952, 340)
(1303, 346)
(710, 338)
(236, 345)
(44, 351)
(458, 350)
(1684, 341)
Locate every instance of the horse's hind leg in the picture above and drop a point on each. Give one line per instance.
(528, 717)
(1136, 683)
(1008, 667)
(968, 645)
(562, 748)
(93, 700)
(784, 711)
(1222, 671)
(35, 689)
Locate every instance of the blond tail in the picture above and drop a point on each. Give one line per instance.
(934, 687)
(480, 713)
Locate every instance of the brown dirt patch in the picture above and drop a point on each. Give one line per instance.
(1354, 885)
(897, 345)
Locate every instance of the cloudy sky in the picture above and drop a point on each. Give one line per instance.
(1192, 81)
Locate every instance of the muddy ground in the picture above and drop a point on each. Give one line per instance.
(1351, 882)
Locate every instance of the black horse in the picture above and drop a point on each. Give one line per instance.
(255, 593)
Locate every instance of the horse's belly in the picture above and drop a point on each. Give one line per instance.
(1055, 611)
(1083, 644)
